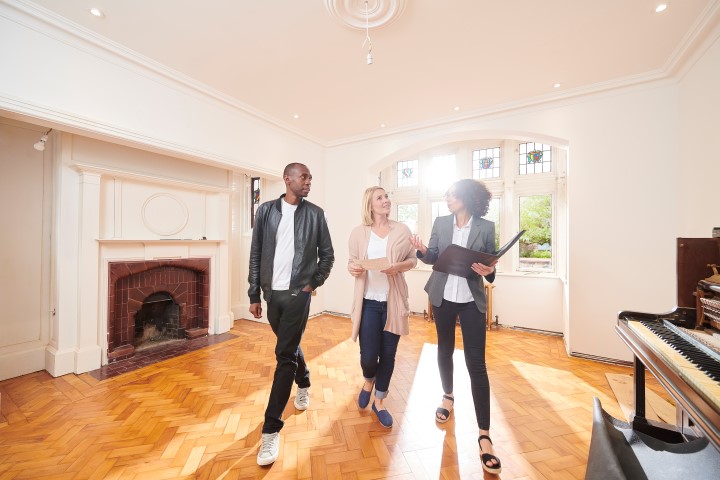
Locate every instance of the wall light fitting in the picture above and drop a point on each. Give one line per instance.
(40, 145)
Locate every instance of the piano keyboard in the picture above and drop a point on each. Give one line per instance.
(691, 363)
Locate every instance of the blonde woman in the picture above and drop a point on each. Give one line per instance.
(380, 302)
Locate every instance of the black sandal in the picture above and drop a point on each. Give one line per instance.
(444, 411)
(488, 457)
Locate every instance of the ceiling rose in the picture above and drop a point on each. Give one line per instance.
(352, 12)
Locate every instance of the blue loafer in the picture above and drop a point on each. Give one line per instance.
(386, 420)
(364, 398)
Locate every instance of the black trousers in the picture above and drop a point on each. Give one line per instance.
(472, 325)
(288, 315)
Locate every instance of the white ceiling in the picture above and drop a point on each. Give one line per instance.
(287, 57)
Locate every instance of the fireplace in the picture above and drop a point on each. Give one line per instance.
(155, 302)
(130, 234)
(157, 322)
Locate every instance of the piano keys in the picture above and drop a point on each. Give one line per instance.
(687, 369)
(695, 363)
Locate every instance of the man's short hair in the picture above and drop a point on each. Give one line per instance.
(292, 166)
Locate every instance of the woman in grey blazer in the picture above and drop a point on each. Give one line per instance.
(452, 296)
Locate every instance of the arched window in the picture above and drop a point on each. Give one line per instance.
(526, 178)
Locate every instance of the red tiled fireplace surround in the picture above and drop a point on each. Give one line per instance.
(130, 283)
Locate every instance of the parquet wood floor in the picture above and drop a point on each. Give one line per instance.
(199, 415)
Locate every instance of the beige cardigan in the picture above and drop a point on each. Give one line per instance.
(398, 249)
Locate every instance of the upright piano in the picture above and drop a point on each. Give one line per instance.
(688, 367)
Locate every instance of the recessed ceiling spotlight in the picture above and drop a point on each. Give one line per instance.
(557, 85)
(382, 125)
(456, 108)
(296, 116)
(661, 8)
(97, 12)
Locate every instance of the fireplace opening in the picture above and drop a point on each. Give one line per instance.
(157, 322)
(152, 302)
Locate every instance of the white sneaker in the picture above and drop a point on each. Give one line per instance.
(302, 399)
(270, 448)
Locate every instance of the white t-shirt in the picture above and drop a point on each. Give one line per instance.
(456, 288)
(377, 286)
(284, 248)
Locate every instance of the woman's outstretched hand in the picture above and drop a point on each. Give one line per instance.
(417, 243)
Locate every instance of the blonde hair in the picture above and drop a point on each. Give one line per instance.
(366, 209)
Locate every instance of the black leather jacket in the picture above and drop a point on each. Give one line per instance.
(314, 254)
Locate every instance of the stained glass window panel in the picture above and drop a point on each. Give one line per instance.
(486, 163)
(407, 173)
(535, 158)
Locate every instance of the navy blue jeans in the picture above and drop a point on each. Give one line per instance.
(472, 325)
(288, 315)
(377, 347)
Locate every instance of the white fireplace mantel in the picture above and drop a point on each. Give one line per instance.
(112, 215)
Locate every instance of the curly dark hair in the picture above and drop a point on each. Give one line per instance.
(474, 195)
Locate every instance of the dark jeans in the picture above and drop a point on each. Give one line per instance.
(288, 315)
(377, 347)
(472, 325)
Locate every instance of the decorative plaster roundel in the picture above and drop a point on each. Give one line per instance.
(352, 12)
(164, 214)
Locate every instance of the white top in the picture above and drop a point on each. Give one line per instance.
(456, 288)
(284, 248)
(377, 286)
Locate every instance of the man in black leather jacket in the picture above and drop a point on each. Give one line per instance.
(291, 255)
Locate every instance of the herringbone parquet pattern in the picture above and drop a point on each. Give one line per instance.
(199, 415)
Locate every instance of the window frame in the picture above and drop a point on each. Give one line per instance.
(508, 188)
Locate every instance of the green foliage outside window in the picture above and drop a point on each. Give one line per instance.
(536, 220)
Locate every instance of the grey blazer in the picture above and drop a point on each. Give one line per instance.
(482, 238)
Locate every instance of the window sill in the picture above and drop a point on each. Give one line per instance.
(550, 275)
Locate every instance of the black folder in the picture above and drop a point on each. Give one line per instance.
(456, 260)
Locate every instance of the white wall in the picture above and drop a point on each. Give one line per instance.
(24, 259)
(699, 130)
